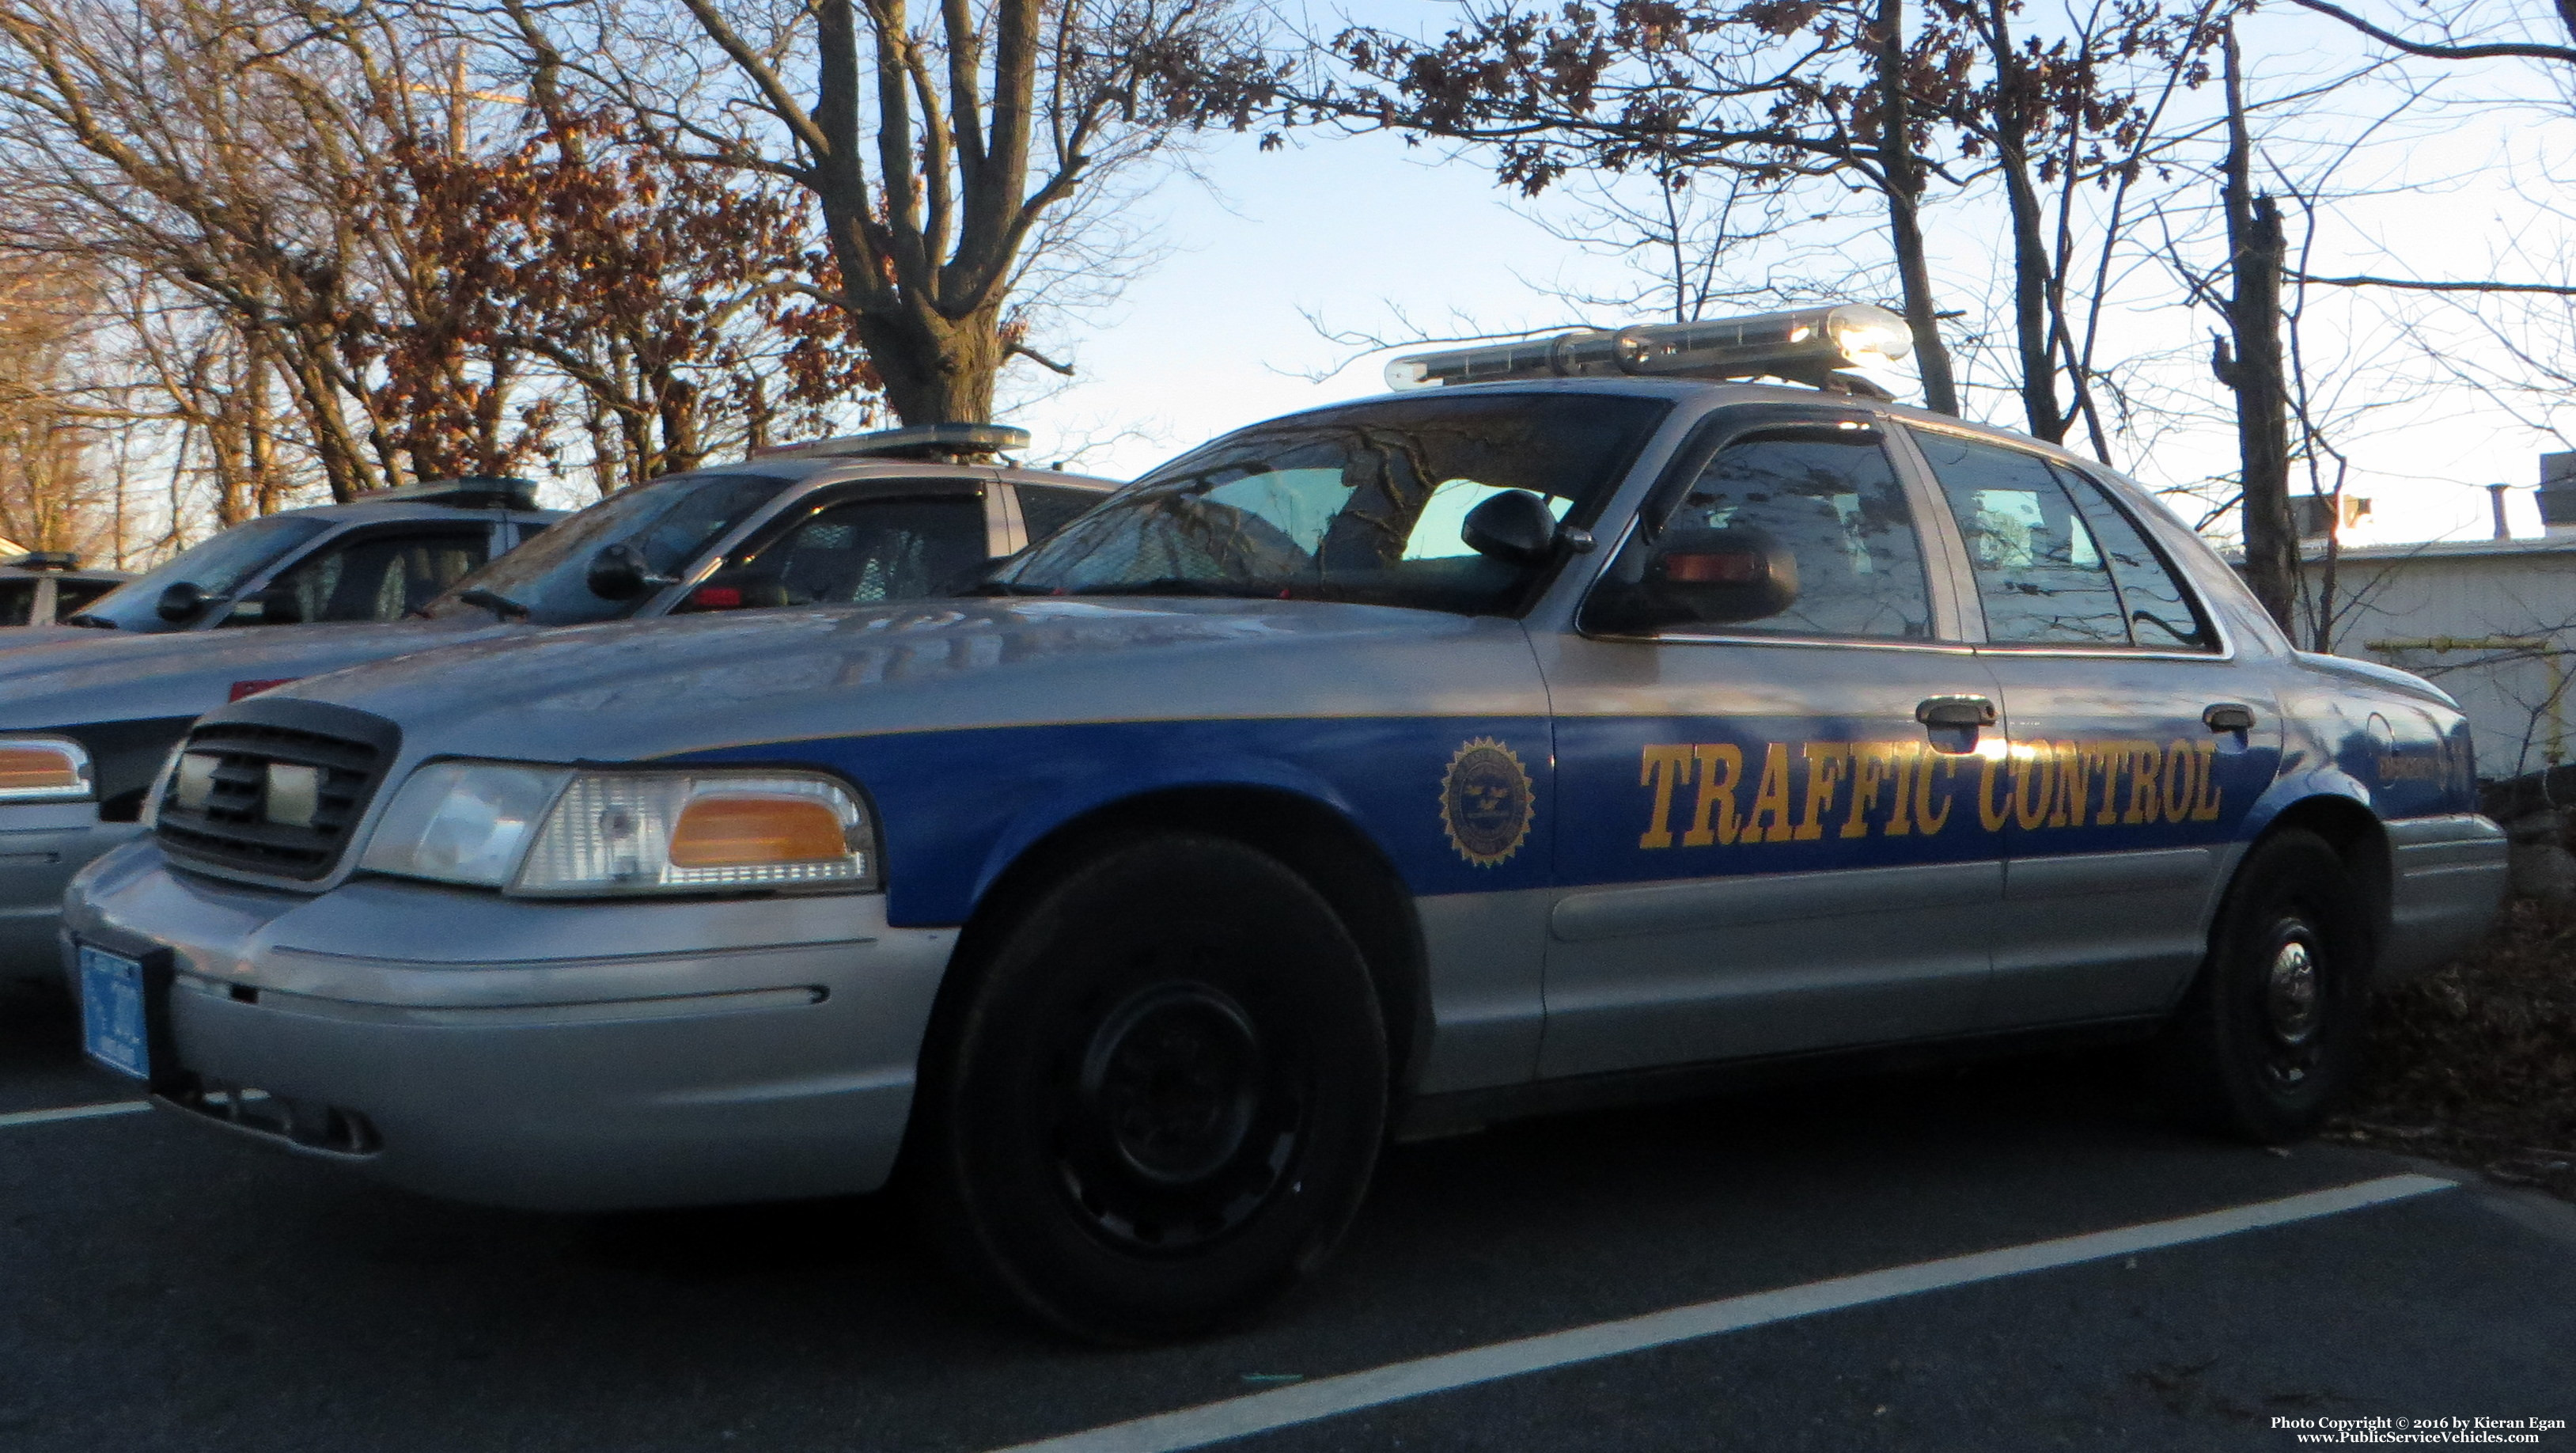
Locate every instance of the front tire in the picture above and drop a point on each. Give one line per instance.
(1164, 1096)
(2268, 1039)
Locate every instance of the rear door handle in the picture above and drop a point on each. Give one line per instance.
(1955, 712)
(2228, 716)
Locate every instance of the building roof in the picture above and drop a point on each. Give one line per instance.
(2312, 552)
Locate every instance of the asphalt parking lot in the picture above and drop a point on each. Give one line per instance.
(161, 1288)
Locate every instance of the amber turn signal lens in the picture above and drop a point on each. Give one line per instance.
(727, 832)
(38, 769)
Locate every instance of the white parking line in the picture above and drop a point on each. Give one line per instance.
(1328, 1397)
(74, 1112)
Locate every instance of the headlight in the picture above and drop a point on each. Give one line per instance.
(43, 769)
(556, 832)
(460, 822)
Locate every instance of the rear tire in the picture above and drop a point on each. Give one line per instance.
(2268, 1039)
(1164, 1095)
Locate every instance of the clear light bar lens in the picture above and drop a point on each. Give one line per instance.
(1800, 342)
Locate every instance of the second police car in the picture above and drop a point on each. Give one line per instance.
(1552, 733)
(88, 715)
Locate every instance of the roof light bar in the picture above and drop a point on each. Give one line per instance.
(928, 441)
(47, 560)
(1811, 345)
(467, 492)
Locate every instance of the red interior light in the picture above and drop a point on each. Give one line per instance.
(1734, 567)
(254, 688)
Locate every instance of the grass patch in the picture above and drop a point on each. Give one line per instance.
(2475, 1064)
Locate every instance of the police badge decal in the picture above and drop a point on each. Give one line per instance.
(1486, 802)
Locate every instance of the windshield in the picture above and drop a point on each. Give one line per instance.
(219, 566)
(1357, 504)
(672, 521)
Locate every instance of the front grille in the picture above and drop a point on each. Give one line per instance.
(308, 1123)
(240, 827)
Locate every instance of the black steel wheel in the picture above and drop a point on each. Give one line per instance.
(1161, 1104)
(2269, 1037)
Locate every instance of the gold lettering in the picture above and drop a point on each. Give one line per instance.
(2107, 756)
(1771, 799)
(1662, 768)
(2067, 785)
(2204, 804)
(2034, 779)
(1713, 819)
(2142, 760)
(1826, 763)
(1905, 761)
(2179, 781)
(1870, 762)
(1923, 790)
(1990, 813)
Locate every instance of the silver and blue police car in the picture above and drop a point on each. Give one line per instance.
(88, 716)
(1571, 726)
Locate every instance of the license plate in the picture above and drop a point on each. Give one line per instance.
(114, 1028)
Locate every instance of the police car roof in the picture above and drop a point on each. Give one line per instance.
(1712, 393)
(838, 468)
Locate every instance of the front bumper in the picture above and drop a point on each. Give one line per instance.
(42, 844)
(565, 1056)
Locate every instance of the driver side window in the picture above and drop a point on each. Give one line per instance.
(1815, 517)
(379, 575)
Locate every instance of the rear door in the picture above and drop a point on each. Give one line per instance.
(2124, 784)
(1764, 845)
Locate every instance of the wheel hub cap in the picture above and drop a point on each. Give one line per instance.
(1173, 1076)
(2291, 991)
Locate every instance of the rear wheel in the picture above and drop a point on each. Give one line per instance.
(2268, 1040)
(1164, 1096)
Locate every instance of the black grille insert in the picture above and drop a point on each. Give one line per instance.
(239, 827)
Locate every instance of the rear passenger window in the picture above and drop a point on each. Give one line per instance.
(1047, 508)
(17, 602)
(2040, 572)
(2160, 610)
(71, 597)
(1829, 500)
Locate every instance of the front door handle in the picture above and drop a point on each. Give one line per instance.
(1953, 713)
(2228, 716)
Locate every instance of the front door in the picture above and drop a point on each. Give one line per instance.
(2126, 777)
(1763, 846)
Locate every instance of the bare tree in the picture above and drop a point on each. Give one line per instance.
(947, 154)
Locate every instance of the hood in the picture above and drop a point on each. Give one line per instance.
(633, 690)
(90, 676)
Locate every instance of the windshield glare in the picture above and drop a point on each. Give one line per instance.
(1357, 504)
(671, 521)
(218, 565)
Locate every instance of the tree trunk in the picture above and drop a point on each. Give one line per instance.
(1904, 186)
(2255, 252)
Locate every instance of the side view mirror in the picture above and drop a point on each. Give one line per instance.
(1514, 526)
(620, 573)
(1720, 577)
(183, 601)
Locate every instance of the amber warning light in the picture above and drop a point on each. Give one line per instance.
(1810, 345)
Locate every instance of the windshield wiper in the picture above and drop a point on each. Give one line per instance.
(501, 606)
(96, 623)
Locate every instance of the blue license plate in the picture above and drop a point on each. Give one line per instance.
(113, 1026)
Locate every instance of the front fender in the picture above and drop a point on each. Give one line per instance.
(1072, 801)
